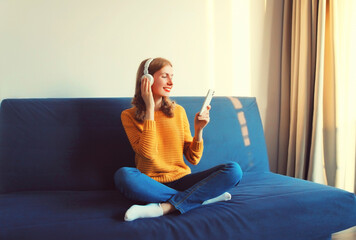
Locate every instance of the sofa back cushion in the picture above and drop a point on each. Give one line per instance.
(234, 133)
(78, 144)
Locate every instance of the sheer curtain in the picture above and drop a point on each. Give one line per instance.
(343, 27)
(317, 138)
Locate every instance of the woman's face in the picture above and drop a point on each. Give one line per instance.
(163, 83)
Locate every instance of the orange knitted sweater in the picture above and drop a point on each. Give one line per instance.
(159, 144)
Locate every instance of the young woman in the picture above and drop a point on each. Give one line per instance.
(159, 133)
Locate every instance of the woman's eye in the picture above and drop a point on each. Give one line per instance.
(164, 76)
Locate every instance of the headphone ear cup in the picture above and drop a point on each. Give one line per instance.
(150, 78)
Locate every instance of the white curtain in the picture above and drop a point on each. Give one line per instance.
(344, 26)
(333, 153)
(317, 132)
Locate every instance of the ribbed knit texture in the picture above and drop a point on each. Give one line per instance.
(159, 144)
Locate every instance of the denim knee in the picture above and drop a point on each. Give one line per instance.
(235, 172)
(122, 176)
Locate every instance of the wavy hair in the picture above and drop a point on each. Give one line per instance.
(167, 106)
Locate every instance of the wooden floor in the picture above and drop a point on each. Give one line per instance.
(348, 234)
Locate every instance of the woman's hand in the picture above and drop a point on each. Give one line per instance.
(147, 96)
(200, 122)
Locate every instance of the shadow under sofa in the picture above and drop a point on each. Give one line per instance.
(58, 158)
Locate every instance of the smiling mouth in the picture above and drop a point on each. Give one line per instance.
(167, 89)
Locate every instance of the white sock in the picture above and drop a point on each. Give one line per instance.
(143, 211)
(223, 197)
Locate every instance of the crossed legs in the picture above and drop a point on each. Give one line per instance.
(183, 194)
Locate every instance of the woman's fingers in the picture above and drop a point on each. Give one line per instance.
(205, 116)
(145, 85)
(206, 113)
(146, 93)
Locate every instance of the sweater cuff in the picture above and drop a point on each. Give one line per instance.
(149, 125)
(197, 146)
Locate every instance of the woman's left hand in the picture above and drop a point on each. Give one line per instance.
(200, 121)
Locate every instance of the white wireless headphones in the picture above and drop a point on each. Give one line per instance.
(145, 71)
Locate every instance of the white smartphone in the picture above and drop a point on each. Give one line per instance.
(207, 100)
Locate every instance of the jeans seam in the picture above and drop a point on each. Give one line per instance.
(199, 185)
(175, 205)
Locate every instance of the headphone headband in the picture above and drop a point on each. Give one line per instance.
(147, 64)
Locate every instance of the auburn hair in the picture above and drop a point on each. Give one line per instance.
(167, 106)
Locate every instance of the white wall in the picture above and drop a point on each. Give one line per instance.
(92, 48)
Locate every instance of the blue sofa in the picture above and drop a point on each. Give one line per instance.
(58, 158)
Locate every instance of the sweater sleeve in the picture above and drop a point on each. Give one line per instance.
(193, 150)
(142, 139)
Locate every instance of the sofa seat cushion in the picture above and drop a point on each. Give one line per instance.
(263, 206)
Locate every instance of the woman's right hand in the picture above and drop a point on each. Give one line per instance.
(147, 96)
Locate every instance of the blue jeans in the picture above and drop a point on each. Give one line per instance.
(185, 193)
